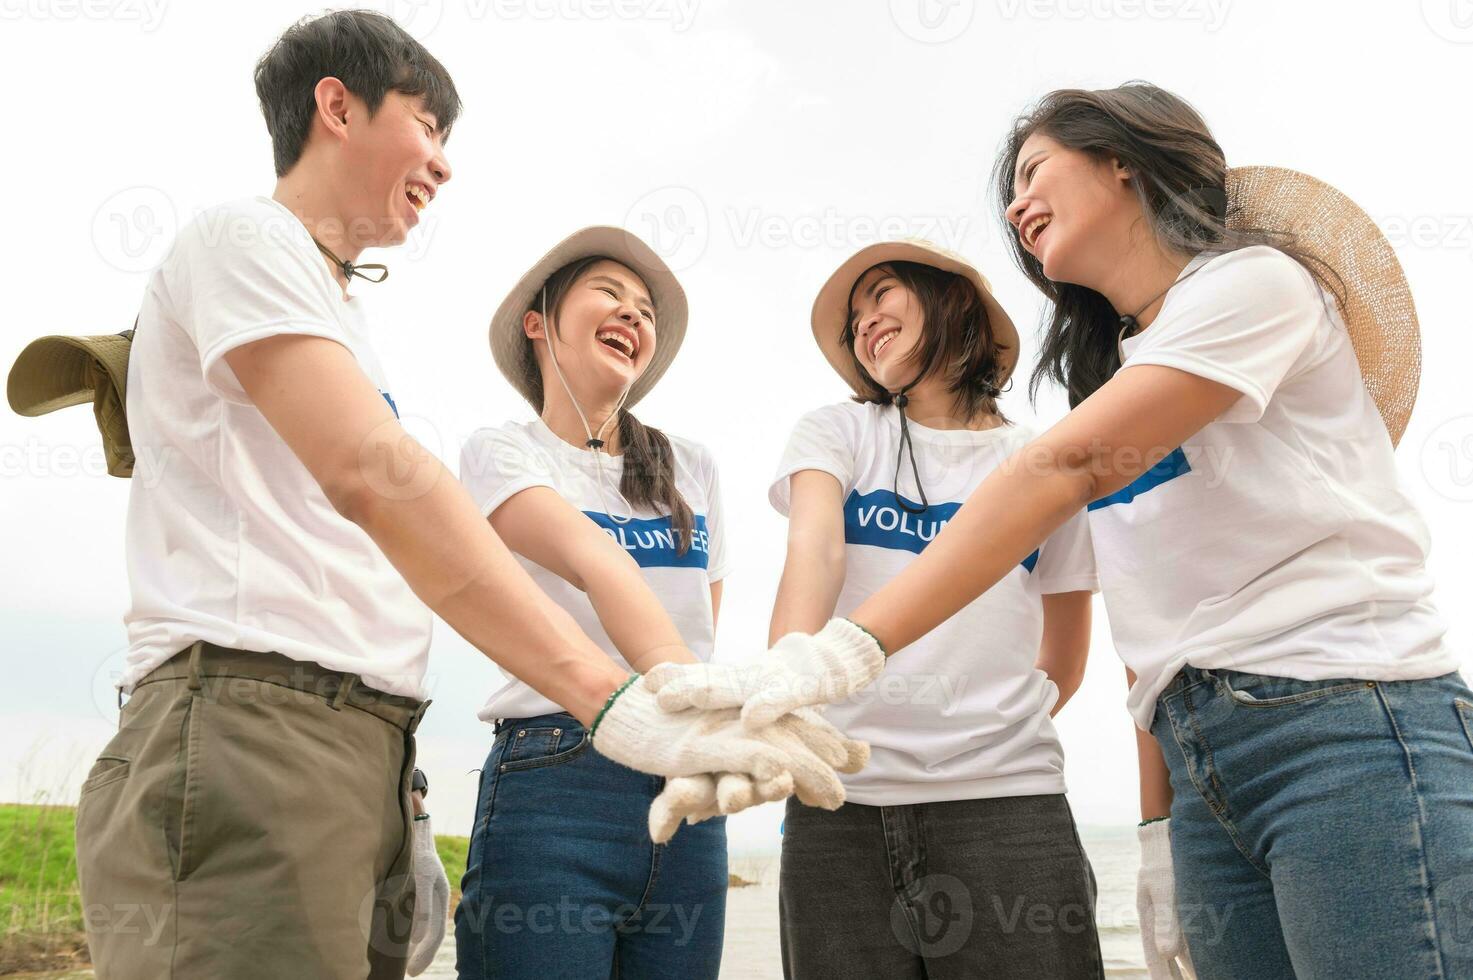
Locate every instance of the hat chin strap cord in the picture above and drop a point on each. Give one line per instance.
(595, 444)
(905, 443)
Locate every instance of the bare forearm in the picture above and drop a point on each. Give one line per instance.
(807, 594)
(630, 612)
(1009, 514)
(1155, 778)
(457, 565)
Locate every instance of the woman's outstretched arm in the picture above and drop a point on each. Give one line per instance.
(1115, 435)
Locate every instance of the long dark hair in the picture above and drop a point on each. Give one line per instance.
(957, 340)
(649, 462)
(1179, 172)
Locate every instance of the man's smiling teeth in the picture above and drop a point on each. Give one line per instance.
(1031, 230)
(618, 338)
(418, 197)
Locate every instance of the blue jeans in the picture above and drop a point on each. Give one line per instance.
(562, 880)
(1321, 829)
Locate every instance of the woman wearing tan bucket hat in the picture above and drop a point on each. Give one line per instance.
(1241, 352)
(621, 525)
(964, 791)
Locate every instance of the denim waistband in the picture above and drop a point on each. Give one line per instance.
(1185, 678)
(558, 719)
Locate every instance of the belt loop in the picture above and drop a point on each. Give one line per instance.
(418, 714)
(194, 673)
(345, 687)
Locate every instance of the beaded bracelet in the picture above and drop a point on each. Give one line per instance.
(609, 703)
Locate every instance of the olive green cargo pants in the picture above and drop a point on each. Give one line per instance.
(250, 819)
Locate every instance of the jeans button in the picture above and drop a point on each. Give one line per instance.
(521, 733)
(557, 731)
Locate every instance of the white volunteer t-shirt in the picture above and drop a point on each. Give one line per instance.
(962, 713)
(229, 537)
(1277, 539)
(498, 462)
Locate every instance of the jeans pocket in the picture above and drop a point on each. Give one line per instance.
(1264, 691)
(1464, 708)
(183, 790)
(535, 748)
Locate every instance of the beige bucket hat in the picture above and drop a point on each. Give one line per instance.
(508, 341)
(831, 307)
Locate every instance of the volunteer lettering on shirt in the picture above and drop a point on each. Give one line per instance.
(500, 461)
(962, 713)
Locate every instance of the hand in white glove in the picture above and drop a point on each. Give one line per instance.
(634, 731)
(800, 670)
(698, 798)
(1155, 902)
(431, 899)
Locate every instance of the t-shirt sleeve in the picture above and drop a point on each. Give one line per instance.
(823, 439)
(497, 463)
(243, 282)
(1066, 562)
(718, 557)
(1246, 325)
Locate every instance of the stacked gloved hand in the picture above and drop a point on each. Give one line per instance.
(734, 735)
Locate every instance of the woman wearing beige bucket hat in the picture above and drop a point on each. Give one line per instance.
(1241, 353)
(621, 524)
(964, 791)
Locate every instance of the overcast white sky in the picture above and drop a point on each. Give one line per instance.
(755, 144)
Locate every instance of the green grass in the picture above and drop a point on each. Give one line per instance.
(40, 909)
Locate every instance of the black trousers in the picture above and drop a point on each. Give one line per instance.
(997, 888)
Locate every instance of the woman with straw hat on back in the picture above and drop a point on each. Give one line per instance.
(1240, 351)
(621, 524)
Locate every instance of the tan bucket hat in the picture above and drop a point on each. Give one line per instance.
(1378, 311)
(832, 305)
(58, 372)
(508, 341)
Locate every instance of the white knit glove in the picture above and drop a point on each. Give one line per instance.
(1155, 902)
(697, 798)
(634, 731)
(800, 670)
(431, 899)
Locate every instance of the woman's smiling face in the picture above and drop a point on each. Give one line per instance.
(1073, 211)
(605, 329)
(887, 323)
